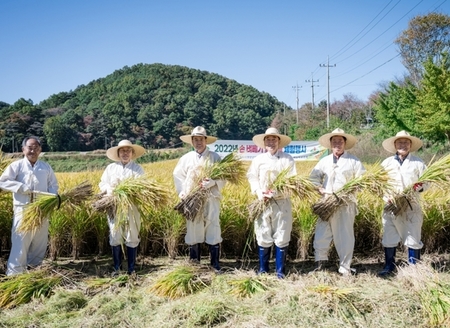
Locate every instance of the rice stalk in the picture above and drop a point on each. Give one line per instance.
(437, 174)
(284, 185)
(230, 169)
(178, 283)
(36, 212)
(20, 289)
(375, 180)
(435, 300)
(142, 192)
(247, 287)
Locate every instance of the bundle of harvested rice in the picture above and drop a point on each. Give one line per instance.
(180, 282)
(230, 169)
(36, 212)
(285, 185)
(20, 289)
(437, 173)
(141, 192)
(375, 180)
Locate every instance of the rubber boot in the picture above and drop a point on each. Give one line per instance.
(194, 252)
(131, 258)
(117, 258)
(264, 256)
(280, 261)
(389, 258)
(214, 250)
(413, 255)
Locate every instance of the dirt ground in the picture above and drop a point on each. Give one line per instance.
(101, 266)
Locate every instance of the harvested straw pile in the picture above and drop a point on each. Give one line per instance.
(376, 181)
(436, 173)
(22, 288)
(142, 192)
(230, 169)
(35, 213)
(284, 186)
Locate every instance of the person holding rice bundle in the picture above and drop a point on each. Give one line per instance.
(205, 227)
(330, 174)
(26, 178)
(405, 226)
(123, 168)
(274, 225)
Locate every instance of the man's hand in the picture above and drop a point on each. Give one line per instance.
(25, 190)
(207, 183)
(418, 186)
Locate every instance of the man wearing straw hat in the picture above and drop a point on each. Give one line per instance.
(274, 225)
(330, 174)
(206, 226)
(24, 178)
(404, 169)
(123, 167)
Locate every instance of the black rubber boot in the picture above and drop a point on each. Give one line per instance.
(214, 250)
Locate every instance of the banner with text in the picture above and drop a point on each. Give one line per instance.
(299, 150)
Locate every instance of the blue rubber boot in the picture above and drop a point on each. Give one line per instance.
(117, 257)
(214, 250)
(280, 261)
(389, 266)
(413, 255)
(194, 252)
(131, 258)
(264, 256)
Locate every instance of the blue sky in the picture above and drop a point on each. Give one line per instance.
(52, 46)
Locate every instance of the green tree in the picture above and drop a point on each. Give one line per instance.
(433, 101)
(426, 37)
(395, 109)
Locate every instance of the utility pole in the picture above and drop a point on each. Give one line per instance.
(328, 88)
(297, 88)
(312, 88)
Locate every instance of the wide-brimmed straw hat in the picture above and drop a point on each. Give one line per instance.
(325, 140)
(198, 131)
(113, 152)
(259, 138)
(389, 143)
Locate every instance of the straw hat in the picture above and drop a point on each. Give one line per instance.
(389, 143)
(198, 131)
(325, 140)
(259, 138)
(113, 152)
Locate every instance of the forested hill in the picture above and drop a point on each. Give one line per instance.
(151, 104)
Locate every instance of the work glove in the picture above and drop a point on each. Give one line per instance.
(418, 186)
(207, 183)
(25, 190)
(259, 194)
(181, 195)
(115, 182)
(269, 194)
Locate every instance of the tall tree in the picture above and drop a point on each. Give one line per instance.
(426, 37)
(434, 101)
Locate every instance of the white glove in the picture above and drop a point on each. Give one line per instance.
(270, 194)
(208, 183)
(109, 191)
(25, 190)
(182, 195)
(259, 194)
(115, 182)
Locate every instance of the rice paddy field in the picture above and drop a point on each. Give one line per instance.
(74, 287)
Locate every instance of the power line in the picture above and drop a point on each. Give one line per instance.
(336, 55)
(367, 72)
